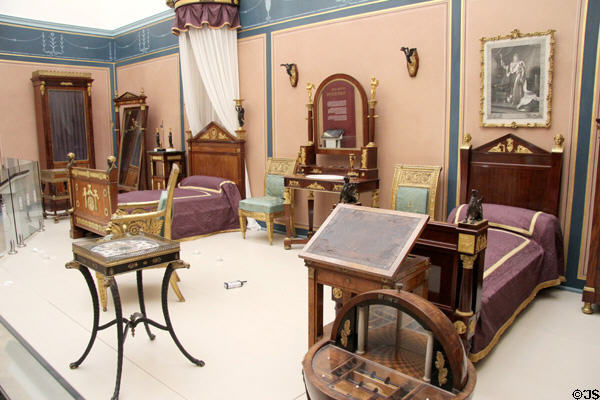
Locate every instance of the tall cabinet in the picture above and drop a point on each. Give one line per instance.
(591, 290)
(63, 107)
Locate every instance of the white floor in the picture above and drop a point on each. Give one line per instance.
(253, 338)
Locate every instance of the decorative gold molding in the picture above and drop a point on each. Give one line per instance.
(472, 327)
(311, 273)
(344, 333)
(467, 261)
(89, 89)
(481, 243)
(463, 314)
(293, 183)
(375, 199)
(589, 289)
(466, 243)
(509, 147)
(66, 84)
(440, 363)
(43, 87)
(516, 34)
(287, 196)
(374, 84)
(60, 74)
(315, 186)
(101, 175)
(214, 134)
(311, 195)
(337, 187)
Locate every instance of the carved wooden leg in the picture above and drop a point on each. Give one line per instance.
(101, 290)
(311, 212)
(173, 280)
(242, 223)
(287, 206)
(315, 308)
(269, 221)
(587, 308)
(292, 222)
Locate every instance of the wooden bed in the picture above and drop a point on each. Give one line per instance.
(212, 152)
(507, 171)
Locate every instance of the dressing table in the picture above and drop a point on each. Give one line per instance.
(341, 111)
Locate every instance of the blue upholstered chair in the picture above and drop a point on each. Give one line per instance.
(269, 206)
(414, 188)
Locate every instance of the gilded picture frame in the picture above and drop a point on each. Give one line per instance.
(516, 79)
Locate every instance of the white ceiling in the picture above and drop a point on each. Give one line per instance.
(99, 14)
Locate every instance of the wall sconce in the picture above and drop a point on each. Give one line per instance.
(412, 60)
(292, 71)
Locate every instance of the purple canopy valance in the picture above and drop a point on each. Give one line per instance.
(204, 13)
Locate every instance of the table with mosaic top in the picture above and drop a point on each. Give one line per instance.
(115, 255)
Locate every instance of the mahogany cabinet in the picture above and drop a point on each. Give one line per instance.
(63, 108)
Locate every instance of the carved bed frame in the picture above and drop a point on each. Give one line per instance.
(212, 152)
(215, 152)
(508, 171)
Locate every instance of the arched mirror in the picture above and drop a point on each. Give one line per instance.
(340, 123)
(131, 139)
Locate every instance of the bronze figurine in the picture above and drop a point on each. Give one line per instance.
(170, 139)
(348, 193)
(240, 114)
(475, 208)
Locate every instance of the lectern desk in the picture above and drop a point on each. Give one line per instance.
(358, 249)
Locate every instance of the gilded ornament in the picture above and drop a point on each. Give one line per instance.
(467, 261)
(344, 333)
(374, 84)
(375, 201)
(440, 363)
(472, 327)
(43, 88)
(91, 198)
(466, 243)
(316, 186)
(363, 158)
(309, 89)
(481, 243)
(460, 327)
(337, 293)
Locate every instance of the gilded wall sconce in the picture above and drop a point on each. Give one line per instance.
(412, 60)
(292, 71)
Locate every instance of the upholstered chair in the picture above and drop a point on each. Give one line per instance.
(150, 217)
(414, 188)
(269, 206)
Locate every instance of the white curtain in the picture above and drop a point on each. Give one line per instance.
(209, 73)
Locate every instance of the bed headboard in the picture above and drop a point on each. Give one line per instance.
(513, 172)
(215, 152)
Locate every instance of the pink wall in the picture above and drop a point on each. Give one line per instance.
(18, 135)
(412, 124)
(486, 18)
(159, 77)
(252, 66)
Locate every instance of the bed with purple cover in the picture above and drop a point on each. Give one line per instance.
(202, 205)
(524, 255)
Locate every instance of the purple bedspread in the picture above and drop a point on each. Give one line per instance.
(524, 254)
(197, 210)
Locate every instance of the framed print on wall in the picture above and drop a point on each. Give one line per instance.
(516, 79)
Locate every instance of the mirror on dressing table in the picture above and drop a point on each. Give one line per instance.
(341, 143)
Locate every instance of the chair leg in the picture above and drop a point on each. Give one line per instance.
(173, 280)
(243, 223)
(101, 290)
(269, 221)
(176, 276)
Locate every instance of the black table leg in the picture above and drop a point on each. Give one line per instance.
(114, 289)
(169, 325)
(140, 288)
(95, 304)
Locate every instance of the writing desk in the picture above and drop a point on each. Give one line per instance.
(358, 249)
(112, 256)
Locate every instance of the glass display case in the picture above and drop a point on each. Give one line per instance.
(21, 212)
